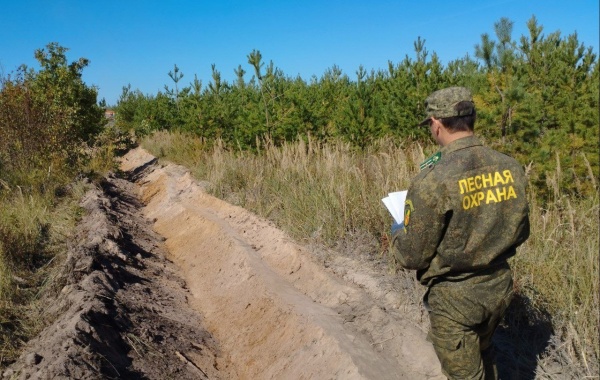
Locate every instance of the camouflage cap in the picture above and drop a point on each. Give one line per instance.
(441, 103)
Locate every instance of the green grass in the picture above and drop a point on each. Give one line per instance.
(330, 194)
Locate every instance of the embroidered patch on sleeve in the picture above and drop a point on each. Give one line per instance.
(408, 209)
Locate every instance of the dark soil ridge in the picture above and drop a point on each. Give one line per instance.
(123, 311)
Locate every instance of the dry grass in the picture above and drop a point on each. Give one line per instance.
(37, 219)
(330, 194)
(312, 190)
(557, 269)
(33, 233)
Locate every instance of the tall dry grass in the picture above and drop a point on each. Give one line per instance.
(37, 219)
(557, 269)
(331, 194)
(34, 230)
(313, 190)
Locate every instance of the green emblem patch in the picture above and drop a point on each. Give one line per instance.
(431, 161)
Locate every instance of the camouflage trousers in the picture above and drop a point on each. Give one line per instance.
(464, 316)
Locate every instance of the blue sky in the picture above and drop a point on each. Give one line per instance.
(137, 42)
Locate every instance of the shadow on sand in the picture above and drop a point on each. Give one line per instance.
(521, 339)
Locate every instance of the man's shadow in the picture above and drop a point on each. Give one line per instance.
(521, 339)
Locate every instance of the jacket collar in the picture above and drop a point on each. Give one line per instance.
(465, 142)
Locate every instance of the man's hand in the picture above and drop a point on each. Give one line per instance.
(397, 227)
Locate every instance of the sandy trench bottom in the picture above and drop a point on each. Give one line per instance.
(275, 311)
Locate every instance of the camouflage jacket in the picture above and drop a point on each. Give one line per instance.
(465, 212)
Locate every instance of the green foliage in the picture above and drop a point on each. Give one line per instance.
(542, 103)
(536, 97)
(69, 94)
(51, 130)
(46, 118)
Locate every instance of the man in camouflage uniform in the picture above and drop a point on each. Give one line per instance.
(466, 212)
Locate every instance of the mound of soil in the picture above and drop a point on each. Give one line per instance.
(166, 281)
(123, 312)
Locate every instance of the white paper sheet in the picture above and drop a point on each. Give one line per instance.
(394, 202)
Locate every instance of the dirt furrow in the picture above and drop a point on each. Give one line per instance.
(122, 311)
(273, 309)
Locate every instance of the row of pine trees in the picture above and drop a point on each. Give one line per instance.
(537, 99)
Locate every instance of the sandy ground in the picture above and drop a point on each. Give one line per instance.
(166, 281)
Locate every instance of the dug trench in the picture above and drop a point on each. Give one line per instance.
(167, 281)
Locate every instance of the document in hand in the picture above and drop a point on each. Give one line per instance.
(394, 202)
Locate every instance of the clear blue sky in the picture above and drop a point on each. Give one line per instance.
(137, 42)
